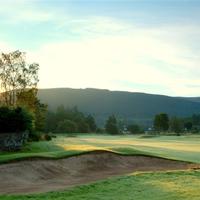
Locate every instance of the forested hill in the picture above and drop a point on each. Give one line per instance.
(139, 107)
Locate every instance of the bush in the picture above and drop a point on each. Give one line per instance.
(34, 136)
(45, 137)
(135, 129)
(100, 130)
(15, 120)
(38, 136)
(15, 123)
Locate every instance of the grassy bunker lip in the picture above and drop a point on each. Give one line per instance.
(65, 155)
(44, 175)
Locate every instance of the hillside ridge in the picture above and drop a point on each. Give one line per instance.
(131, 106)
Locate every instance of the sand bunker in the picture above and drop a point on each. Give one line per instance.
(37, 175)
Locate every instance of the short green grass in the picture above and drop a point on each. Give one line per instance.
(180, 185)
(186, 148)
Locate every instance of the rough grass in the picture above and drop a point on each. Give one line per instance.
(186, 148)
(180, 185)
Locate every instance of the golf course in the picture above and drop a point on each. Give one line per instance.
(99, 100)
(91, 166)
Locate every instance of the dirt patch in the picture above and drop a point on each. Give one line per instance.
(33, 176)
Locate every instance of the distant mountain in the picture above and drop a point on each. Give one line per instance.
(131, 106)
(193, 99)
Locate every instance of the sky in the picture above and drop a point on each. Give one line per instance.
(150, 46)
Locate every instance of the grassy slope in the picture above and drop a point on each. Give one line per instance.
(185, 148)
(182, 185)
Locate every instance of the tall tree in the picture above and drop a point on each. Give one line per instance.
(196, 119)
(176, 125)
(66, 126)
(111, 125)
(91, 122)
(188, 125)
(16, 76)
(69, 120)
(18, 84)
(60, 113)
(29, 100)
(161, 122)
(40, 116)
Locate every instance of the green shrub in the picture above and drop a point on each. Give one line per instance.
(135, 129)
(100, 130)
(38, 136)
(15, 120)
(46, 137)
(15, 124)
(34, 136)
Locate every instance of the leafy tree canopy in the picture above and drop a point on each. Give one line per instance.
(161, 122)
(66, 120)
(111, 125)
(15, 120)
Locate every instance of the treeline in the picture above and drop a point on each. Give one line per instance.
(164, 123)
(69, 120)
(114, 126)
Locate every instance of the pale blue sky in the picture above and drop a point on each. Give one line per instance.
(144, 46)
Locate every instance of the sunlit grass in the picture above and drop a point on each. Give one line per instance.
(80, 147)
(176, 185)
(174, 145)
(185, 148)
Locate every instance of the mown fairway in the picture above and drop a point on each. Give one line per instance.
(186, 148)
(172, 185)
